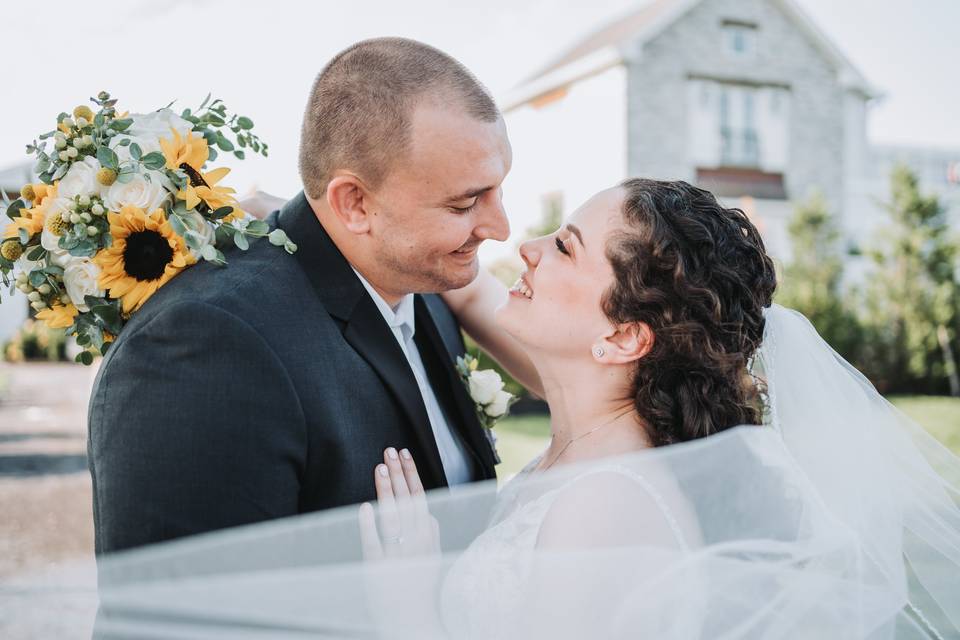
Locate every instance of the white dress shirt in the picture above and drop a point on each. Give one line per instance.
(401, 320)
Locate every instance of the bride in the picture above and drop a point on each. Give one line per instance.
(714, 470)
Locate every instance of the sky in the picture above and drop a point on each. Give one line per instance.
(261, 58)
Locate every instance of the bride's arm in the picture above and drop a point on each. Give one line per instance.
(474, 306)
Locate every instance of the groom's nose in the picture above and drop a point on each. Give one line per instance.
(492, 223)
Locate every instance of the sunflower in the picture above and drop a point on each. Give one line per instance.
(190, 150)
(30, 219)
(203, 187)
(146, 253)
(59, 316)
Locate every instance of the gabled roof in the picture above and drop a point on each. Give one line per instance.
(605, 48)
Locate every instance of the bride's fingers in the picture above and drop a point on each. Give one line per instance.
(369, 538)
(410, 473)
(414, 484)
(390, 525)
(397, 477)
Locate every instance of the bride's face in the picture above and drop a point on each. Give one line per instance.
(556, 305)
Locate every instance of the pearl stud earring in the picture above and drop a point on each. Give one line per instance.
(598, 352)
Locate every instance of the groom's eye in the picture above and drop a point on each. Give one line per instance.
(466, 209)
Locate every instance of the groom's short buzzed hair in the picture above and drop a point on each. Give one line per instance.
(358, 114)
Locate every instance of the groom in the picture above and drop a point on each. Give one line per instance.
(271, 388)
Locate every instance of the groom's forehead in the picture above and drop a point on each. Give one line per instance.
(461, 152)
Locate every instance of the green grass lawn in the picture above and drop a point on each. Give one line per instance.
(520, 438)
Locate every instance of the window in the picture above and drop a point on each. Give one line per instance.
(739, 39)
(738, 134)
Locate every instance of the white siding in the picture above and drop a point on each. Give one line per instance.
(574, 146)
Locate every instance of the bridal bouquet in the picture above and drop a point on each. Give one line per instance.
(124, 204)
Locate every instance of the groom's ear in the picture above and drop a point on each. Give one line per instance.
(626, 343)
(348, 198)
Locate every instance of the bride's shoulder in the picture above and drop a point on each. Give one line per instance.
(608, 506)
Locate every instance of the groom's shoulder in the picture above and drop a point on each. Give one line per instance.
(254, 284)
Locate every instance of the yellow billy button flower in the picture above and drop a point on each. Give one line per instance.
(146, 253)
(208, 192)
(57, 225)
(11, 250)
(190, 150)
(27, 192)
(84, 112)
(106, 176)
(58, 316)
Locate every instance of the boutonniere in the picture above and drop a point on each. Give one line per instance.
(486, 390)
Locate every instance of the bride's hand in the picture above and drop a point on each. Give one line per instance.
(406, 526)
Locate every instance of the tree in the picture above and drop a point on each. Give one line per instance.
(812, 282)
(912, 298)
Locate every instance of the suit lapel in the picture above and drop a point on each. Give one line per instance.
(448, 347)
(364, 328)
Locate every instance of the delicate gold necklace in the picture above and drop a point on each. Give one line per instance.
(584, 435)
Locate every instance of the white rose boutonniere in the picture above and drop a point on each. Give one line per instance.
(486, 390)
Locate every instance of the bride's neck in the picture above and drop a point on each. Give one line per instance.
(582, 398)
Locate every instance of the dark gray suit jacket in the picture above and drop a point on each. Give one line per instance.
(261, 390)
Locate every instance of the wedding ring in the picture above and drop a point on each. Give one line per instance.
(393, 540)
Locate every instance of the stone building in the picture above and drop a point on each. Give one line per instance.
(747, 98)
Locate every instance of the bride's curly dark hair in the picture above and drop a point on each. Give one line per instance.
(698, 275)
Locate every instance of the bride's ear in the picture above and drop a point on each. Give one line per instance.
(624, 344)
(349, 200)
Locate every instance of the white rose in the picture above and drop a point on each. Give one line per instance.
(157, 124)
(49, 241)
(80, 278)
(81, 179)
(143, 190)
(204, 228)
(60, 257)
(499, 405)
(484, 386)
(147, 144)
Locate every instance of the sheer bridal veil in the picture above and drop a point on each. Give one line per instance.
(838, 518)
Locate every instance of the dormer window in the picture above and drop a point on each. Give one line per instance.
(739, 38)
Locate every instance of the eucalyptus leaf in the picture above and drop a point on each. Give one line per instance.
(241, 241)
(37, 278)
(121, 125)
(60, 172)
(36, 253)
(154, 160)
(13, 211)
(245, 122)
(239, 154)
(108, 158)
(258, 227)
(135, 151)
(213, 154)
(23, 235)
(125, 177)
(177, 225)
(224, 143)
(222, 212)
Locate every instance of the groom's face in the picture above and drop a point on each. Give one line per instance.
(441, 200)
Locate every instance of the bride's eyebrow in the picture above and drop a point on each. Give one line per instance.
(572, 228)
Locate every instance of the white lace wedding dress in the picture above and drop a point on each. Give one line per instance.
(486, 592)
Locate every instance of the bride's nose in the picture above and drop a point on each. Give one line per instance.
(530, 253)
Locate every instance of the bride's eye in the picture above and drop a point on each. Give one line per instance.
(562, 248)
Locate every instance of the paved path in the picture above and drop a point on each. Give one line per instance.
(47, 578)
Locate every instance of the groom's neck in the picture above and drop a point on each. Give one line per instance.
(346, 242)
